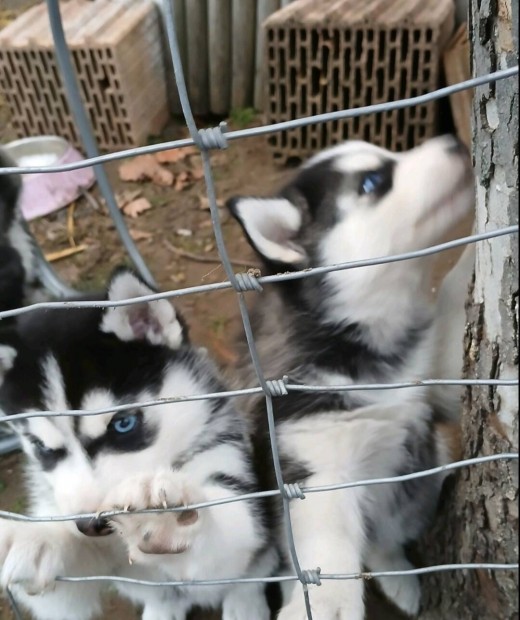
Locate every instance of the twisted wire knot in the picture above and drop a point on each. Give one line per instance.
(293, 491)
(276, 387)
(311, 576)
(247, 282)
(213, 137)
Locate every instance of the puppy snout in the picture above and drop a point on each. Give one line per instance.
(93, 527)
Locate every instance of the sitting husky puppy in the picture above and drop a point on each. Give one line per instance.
(355, 326)
(19, 284)
(163, 455)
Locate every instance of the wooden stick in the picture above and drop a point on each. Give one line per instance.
(205, 259)
(54, 256)
(70, 224)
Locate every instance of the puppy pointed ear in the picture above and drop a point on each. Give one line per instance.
(271, 225)
(154, 321)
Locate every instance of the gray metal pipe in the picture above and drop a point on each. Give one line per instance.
(87, 136)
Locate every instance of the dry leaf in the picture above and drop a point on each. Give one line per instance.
(137, 169)
(197, 173)
(182, 181)
(136, 207)
(54, 231)
(178, 278)
(174, 155)
(145, 167)
(126, 196)
(204, 203)
(163, 177)
(140, 235)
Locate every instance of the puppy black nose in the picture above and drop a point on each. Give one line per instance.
(93, 527)
(457, 147)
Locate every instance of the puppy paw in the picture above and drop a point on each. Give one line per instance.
(404, 592)
(30, 556)
(330, 601)
(322, 611)
(246, 601)
(161, 533)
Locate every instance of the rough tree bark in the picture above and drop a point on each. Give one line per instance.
(479, 517)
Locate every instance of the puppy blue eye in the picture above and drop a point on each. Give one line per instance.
(42, 449)
(125, 423)
(49, 457)
(371, 182)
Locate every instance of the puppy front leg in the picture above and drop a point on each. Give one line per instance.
(249, 600)
(404, 591)
(332, 538)
(32, 555)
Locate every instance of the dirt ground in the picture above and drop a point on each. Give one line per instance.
(176, 240)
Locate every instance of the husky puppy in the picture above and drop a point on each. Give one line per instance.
(19, 282)
(166, 455)
(356, 326)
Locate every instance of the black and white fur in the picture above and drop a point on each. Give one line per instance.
(19, 282)
(164, 455)
(356, 326)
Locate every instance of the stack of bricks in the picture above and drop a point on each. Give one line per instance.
(328, 55)
(116, 52)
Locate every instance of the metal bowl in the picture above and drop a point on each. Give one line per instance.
(44, 192)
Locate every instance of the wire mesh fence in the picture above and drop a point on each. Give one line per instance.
(218, 138)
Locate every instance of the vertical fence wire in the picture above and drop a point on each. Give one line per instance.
(13, 603)
(207, 139)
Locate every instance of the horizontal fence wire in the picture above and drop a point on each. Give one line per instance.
(289, 387)
(292, 491)
(251, 132)
(281, 277)
(219, 138)
(285, 578)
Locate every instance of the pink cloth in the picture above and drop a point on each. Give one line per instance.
(43, 193)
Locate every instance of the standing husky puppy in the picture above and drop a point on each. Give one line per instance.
(355, 326)
(19, 283)
(163, 455)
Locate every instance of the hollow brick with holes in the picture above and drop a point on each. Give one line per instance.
(327, 55)
(116, 52)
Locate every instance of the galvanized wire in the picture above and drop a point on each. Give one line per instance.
(280, 277)
(285, 578)
(251, 132)
(68, 76)
(14, 606)
(228, 268)
(218, 138)
(289, 387)
(298, 492)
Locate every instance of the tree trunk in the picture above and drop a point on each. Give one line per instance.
(479, 517)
